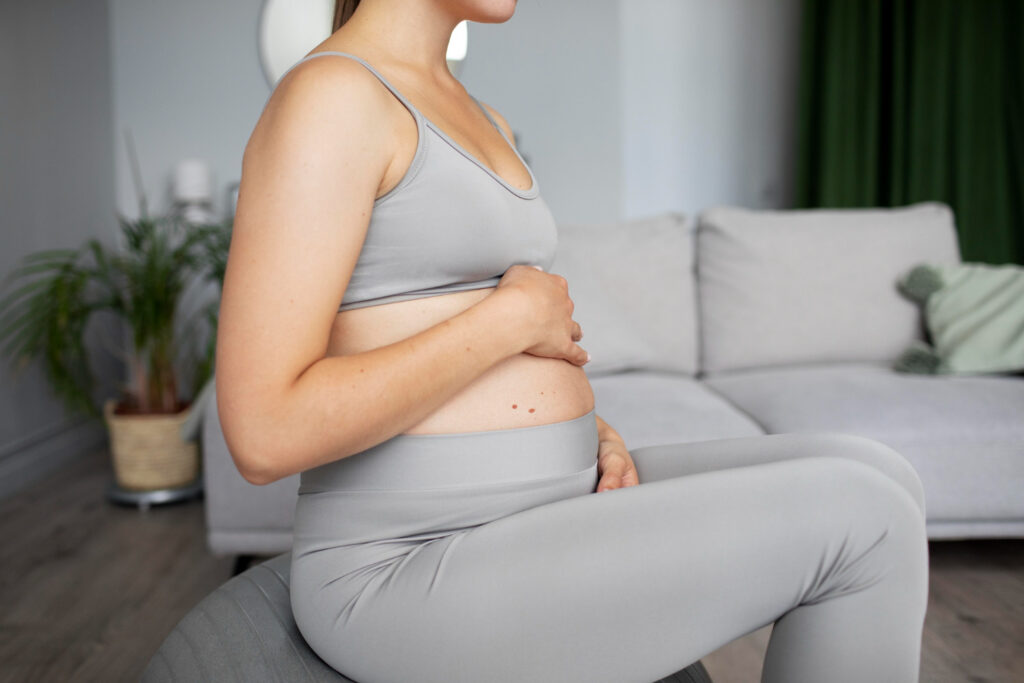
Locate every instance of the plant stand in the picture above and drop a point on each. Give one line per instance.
(145, 499)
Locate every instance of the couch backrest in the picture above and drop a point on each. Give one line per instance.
(819, 285)
(633, 289)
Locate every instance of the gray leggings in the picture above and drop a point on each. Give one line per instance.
(488, 556)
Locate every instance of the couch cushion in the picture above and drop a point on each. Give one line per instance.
(963, 435)
(780, 287)
(633, 290)
(649, 408)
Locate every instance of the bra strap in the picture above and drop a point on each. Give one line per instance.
(393, 89)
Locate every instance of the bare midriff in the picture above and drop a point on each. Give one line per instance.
(520, 391)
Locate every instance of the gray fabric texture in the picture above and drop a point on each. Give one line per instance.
(241, 517)
(451, 223)
(964, 438)
(532, 579)
(962, 529)
(244, 631)
(809, 286)
(964, 435)
(633, 290)
(648, 408)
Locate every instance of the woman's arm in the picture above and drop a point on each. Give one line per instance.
(342, 405)
(310, 173)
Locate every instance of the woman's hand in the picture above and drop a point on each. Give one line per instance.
(615, 466)
(548, 325)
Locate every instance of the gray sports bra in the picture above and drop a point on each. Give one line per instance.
(450, 224)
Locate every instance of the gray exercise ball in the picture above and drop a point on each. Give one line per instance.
(244, 631)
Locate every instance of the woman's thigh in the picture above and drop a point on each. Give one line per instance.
(636, 583)
(680, 459)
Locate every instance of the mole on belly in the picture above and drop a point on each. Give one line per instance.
(531, 410)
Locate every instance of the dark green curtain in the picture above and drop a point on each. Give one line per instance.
(911, 100)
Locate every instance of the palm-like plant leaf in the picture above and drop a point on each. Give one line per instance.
(52, 294)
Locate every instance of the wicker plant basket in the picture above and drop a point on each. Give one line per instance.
(148, 451)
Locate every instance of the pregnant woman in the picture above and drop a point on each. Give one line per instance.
(389, 329)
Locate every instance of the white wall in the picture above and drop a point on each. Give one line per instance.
(622, 107)
(56, 190)
(553, 71)
(709, 95)
(187, 82)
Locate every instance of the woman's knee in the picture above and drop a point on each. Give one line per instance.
(870, 506)
(878, 507)
(874, 453)
(881, 509)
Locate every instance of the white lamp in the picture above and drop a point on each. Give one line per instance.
(192, 190)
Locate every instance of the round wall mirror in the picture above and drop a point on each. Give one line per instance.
(288, 30)
(291, 28)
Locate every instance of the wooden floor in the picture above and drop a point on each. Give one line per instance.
(88, 590)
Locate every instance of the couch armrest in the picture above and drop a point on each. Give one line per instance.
(242, 518)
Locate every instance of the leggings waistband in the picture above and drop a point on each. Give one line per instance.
(494, 456)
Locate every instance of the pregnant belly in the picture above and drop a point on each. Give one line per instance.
(520, 391)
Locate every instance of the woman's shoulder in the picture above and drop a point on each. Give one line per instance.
(326, 78)
(329, 98)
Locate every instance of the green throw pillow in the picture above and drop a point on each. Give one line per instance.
(974, 313)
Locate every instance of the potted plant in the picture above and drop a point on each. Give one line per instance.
(46, 316)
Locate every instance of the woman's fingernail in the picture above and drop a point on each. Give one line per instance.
(538, 268)
(588, 356)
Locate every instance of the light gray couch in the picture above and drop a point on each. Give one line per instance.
(747, 322)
